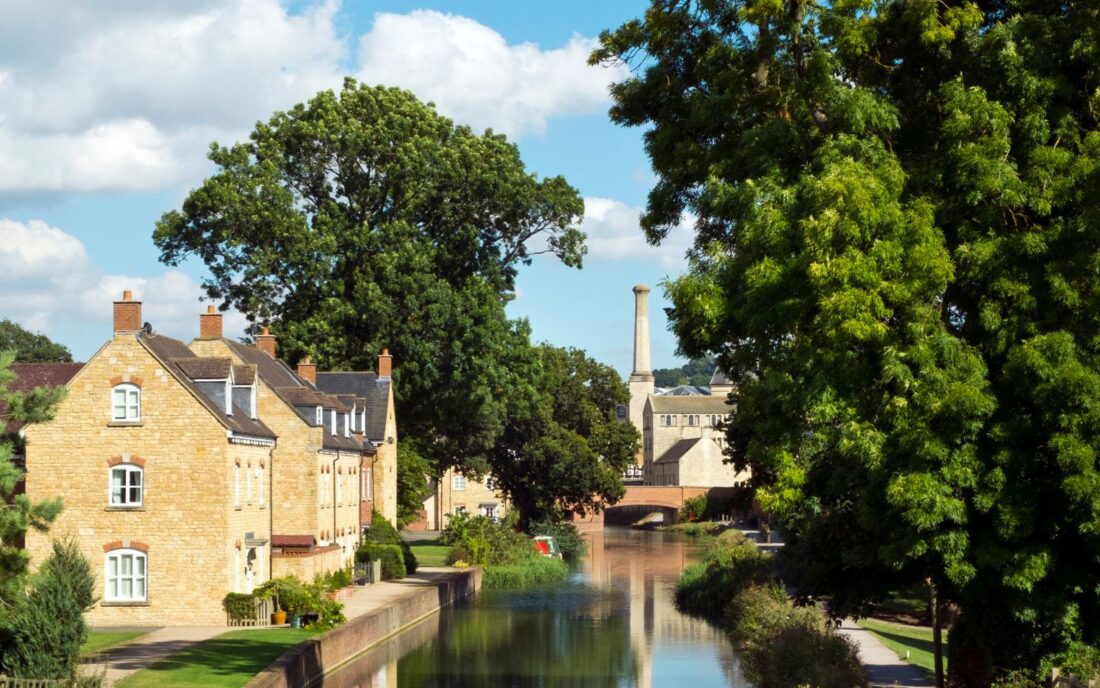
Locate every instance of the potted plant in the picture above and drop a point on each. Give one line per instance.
(269, 590)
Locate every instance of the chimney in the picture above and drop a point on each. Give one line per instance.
(127, 313)
(641, 330)
(307, 370)
(210, 324)
(266, 343)
(385, 364)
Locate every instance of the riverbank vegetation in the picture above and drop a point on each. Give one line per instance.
(782, 645)
(509, 557)
(895, 261)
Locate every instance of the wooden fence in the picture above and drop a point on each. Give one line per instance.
(9, 682)
(261, 616)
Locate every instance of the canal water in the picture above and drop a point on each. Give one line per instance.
(613, 624)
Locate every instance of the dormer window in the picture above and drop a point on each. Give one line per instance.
(126, 402)
(347, 425)
(332, 422)
(320, 416)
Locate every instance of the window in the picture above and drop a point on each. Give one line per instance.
(339, 486)
(126, 485)
(320, 416)
(458, 482)
(124, 576)
(364, 484)
(126, 402)
(237, 486)
(260, 484)
(668, 421)
(692, 420)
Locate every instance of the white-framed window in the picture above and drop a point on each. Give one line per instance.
(237, 486)
(458, 482)
(692, 420)
(320, 416)
(339, 486)
(321, 484)
(126, 485)
(248, 486)
(126, 402)
(124, 576)
(365, 484)
(260, 484)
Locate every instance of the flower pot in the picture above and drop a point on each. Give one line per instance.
(278, 618)
(296, 621)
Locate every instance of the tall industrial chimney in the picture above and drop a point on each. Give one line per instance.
(641, 380)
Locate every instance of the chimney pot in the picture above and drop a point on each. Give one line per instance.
(307, 370)
(210, 324)
(385, 364)
(266, 342)
(127, 314)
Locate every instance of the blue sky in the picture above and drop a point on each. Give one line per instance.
(106, 111)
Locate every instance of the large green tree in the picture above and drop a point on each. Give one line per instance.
(563, 449)
(896, 257)
(30, 347)
(363, 219)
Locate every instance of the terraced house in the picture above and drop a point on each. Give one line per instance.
(323, 479)
(164, 466)
(206, 468)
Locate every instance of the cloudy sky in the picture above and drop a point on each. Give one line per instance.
(107, 110)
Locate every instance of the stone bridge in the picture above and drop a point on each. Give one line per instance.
(668, 499)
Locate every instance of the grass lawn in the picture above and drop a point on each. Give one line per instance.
(916, 639)
(230, 659)
(430, 552)
(101, 640)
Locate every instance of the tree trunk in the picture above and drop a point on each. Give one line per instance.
(937, 632)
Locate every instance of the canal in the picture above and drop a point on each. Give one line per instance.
(613, 623)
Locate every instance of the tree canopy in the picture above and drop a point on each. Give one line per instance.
(697, 371)
(30, 347)
(563, 448)
(895, 258)
(362, 220)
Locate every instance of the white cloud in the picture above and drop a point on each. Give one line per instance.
(475, 77)
(127, 95)
(49, 284)
(614, 233)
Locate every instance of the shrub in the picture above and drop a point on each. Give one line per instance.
(487, 543)
(335, 580)
(796, 649)
(533, 571)
(238, 605)
(391, 556)
(569, 539)
(731, 565)
(46, 628)
(383, 533)
(694, 509)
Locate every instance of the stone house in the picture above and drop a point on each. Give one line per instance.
(371, 394)
(163, 465)
(455, 493)
(317, 490)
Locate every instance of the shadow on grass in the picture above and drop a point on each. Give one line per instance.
(908, 641)
(234, 655)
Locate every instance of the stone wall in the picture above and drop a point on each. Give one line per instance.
(186, 523)
(306, 565)
(305, 663)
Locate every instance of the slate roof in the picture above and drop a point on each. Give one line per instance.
(244, 374)
(170, 352)
(719, 378)
(678, 450)
(689, 404)
(301, 396)
(202, 368)
(31, 375)
(374, 391)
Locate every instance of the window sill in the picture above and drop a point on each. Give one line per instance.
(237, 507)
(136, 603)
(124, 508)
(125, 424)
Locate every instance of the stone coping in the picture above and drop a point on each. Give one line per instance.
(309, 661)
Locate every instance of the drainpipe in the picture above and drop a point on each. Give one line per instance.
(334, 499)
(271, 509)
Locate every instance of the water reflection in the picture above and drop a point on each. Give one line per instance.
(613, 624)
